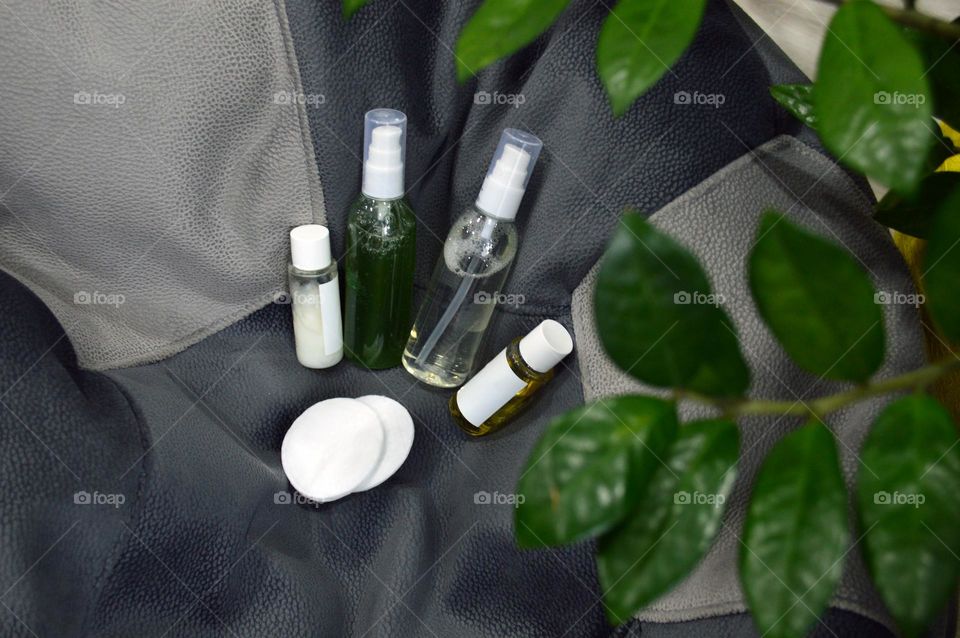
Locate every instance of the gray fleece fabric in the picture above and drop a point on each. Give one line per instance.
(154, 159)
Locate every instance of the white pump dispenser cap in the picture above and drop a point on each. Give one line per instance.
(509, 174)
(384, 147)
(546, 345)
(310, 247)
(497, 383)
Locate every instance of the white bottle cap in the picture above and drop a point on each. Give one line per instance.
(497, 383)
(310, 247)
(546, 345)
(384, 147)
(509, 174)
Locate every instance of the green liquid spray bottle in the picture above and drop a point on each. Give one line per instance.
(381, 248)
(469, 276)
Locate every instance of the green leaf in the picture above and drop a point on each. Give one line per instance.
(660, 320)
(586, 472)
(500, 28)
(639, 41)
(913, 214)
(941, 60)
(908, 488)
(872, 99)
(798, 99)
(675, 521)
(942, 267)
(352, 6)
(817, 301)
(723, 373)
(795, 535)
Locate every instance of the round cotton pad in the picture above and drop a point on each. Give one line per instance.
(331, 448)
(398, 433)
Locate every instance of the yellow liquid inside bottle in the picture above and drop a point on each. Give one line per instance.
(511, 409)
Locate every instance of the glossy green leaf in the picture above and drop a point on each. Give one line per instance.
(588, 468)
(657, 316)
(872, 99)
(723, 372)
(639, 41)
(798, 99)
(914, 214)
(352, 6)
(942, 268)
(909, 501)
(674, 522)
(500, 28)
(817, 300)
(795, 535)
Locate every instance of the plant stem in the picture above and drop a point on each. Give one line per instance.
(909, 17)
(919, 378)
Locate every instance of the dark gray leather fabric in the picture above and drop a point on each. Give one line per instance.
(205, 542)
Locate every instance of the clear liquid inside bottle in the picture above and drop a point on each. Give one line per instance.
(460, 300)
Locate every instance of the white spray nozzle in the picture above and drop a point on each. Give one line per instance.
(509, 173)
(384, 144)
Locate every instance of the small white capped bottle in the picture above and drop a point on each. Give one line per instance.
(315, 297)
(505, 386)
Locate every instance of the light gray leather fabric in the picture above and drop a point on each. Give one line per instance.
(171, 139)
(717, 221)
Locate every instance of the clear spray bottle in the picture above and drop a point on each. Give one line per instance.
(469, 275)
(381, 249)
(315, 297)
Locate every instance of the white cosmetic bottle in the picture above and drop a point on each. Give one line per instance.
(315, 297)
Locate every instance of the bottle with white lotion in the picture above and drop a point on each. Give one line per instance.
(470, 274)
(315, 297)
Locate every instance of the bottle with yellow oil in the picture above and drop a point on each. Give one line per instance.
(506, 385)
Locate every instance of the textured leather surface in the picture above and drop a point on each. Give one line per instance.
(200, 546)
(593, 165)
(151, 166)
(717, 220)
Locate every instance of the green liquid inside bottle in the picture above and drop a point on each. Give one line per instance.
(379, 266)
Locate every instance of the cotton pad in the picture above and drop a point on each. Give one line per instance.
(398, 438)
(331, 448)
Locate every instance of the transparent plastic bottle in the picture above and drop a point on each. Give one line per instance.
(314, 297)
(381, 249)
(467, 281)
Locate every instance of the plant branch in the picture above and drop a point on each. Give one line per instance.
(912, 18)
(821, 406)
